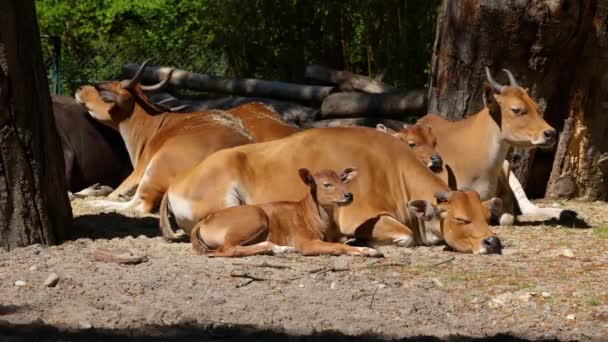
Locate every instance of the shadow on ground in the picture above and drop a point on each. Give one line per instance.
(113, 225)
(42, 332)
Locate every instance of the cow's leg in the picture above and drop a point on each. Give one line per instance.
(95, 190)
(529, 208)
(389, 230)
(130, 183)
(235, 232)
(318, 247)
(68, 159)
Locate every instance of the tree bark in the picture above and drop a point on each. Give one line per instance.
(557, 49)
(243, 87)
(34, 206)
(394, 106)
(347, 80)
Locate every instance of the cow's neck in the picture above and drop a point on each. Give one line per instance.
(136, 130)
(493, 148)
(316, 216)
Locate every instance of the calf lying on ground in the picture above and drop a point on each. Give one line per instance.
(277, 227)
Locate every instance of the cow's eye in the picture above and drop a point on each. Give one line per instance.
(462, 221)
(411, 143)
(516, 110)
(326, 185)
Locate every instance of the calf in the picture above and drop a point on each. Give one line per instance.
(422, 140)
(276, 227)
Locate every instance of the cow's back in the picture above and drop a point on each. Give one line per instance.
(263, 122)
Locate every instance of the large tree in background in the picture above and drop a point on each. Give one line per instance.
(559, 49)
(34, 207)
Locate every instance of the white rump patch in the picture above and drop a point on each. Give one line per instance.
(180, 207)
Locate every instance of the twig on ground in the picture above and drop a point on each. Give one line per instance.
(119, 256)
(264, 264)
(245, 282)
(441, 262)
(373, 296)
(247, 275)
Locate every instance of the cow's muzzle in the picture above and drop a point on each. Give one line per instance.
(435, 163)
(492, 245)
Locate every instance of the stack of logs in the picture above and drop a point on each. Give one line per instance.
(347, 99)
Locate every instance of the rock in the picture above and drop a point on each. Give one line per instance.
(33, 268)
(509, 251)
(51, 280)
(525, 298)
(20, 283)
(84, 325)
(545, 294)
(568, 253)
(333, 285)
(496, 303)
(381, 286)
(475, 300)
(437, 282)
(301, 285)
(571, 317)
(555, 205)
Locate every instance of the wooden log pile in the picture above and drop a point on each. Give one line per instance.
(344, 99)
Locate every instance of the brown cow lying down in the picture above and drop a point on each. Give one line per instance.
(390, 178)
(276, 227)
(162, 144)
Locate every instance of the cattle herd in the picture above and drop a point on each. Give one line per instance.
(243, 182)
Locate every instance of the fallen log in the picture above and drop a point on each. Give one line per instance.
(347, 80)
(392, 105)
(367, 122)
(244, 87)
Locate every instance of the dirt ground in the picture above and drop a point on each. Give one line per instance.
(550, 283)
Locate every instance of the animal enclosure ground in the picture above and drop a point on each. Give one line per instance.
(550, 282)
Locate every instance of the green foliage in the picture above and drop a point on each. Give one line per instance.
(272, 39)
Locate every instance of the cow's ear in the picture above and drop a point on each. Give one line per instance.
(442, 196)
(348, 174)
(306, 176)
(422, 209)
(494, 205)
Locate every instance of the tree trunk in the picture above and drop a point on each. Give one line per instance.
(538, 41)
(347, 80)
(34, 206)
(391, 105)
(243, 87)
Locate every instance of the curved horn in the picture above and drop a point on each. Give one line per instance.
(512, 81)
(178, 108)
(168, 99)
(137, 77)
(160, 85)
(497, 86)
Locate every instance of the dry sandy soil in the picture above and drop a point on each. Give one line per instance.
(532, 291)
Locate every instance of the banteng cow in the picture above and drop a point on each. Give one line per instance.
(474, 148)
(389, 178)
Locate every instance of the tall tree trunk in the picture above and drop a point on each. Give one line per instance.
(558, 50)
(34, 206)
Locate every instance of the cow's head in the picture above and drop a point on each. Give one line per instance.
(113, 102)
(462, 219)
(517, 114)
(421, 139)
(328, 187)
